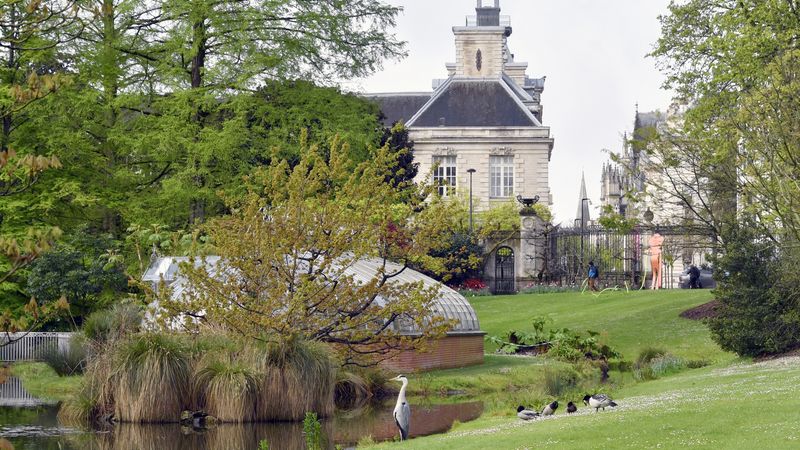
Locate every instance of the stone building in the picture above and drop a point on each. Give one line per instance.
(486, 116)
(653, 202)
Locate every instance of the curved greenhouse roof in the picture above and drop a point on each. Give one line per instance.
(449, 303)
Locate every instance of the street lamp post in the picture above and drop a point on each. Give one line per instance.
(583, 227)
(470, 171)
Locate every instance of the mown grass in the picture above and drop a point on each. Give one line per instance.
(41, 381)
(628, 321)
(739, 406)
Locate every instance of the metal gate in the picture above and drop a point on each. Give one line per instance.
(504, 271)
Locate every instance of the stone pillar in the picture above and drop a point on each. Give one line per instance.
(532, 245)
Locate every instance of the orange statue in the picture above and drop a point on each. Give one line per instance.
(656, 241)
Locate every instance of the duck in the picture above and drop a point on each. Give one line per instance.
(571, 408)
(550, 409)
(526, 414)
(598, 401)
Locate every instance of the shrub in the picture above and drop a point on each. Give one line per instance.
(68, 361)
(475, 293)
(654, 363)
(121, 319)
(757, 290)
(312, 429)
(649, 353)
(557, 381)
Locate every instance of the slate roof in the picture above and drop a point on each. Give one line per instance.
(396, 107)
(484, 102)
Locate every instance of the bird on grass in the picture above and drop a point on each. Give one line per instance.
(571, 408)
(526, 414)
(598, 401)
(550, 409)
(402, 412)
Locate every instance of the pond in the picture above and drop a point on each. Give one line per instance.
(28, 423)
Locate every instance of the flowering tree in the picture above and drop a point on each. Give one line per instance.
(317, 251)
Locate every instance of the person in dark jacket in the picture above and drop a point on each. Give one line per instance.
(593, 275)
(694, 277)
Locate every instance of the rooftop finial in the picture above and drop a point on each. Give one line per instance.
(488, 16)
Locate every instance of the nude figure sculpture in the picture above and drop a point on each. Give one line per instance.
(656, 241)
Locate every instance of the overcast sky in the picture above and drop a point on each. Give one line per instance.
(592, 52)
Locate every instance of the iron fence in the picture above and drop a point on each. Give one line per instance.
(622, 257)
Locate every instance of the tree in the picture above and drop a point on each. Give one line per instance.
(733, 151)
(84, 269)
(286, 249)
(736, 65)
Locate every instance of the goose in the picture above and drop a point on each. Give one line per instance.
(526, 414)
(402, 412)
(598, 401)
(571, 408)
(550, 409)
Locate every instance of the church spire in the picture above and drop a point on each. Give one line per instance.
(582, 215)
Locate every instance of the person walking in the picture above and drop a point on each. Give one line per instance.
(694, 277)
(593, 274)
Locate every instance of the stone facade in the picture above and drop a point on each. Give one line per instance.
(486, 116)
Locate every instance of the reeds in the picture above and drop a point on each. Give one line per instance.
(295, 377)
(152, 383)
(226, 388)
(152, 378)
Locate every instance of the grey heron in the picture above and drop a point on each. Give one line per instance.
(402, 412)
(598, 401)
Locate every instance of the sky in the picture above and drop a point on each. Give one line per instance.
(592, 52)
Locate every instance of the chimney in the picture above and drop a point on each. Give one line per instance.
(488, 16)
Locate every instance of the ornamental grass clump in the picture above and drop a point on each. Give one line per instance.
(152, 379)
(226, 388)
(295, 377)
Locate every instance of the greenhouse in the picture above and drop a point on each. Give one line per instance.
(462, 346)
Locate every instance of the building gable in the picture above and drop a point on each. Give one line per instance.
(464, 102)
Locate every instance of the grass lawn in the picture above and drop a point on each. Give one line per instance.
(40, 380)
(739, 406)
(732, 403)
(629, 321)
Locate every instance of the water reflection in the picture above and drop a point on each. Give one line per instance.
(38, 428)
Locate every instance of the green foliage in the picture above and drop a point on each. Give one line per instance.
(312, 429)
(68, 361)
(558, 380)
(653, 363)
(87, 280)
(121, 319)
(757, 290)
(562, 343)
(323, 216)
(614, 221)
(263, 445)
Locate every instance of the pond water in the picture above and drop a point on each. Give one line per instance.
(28, 423)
